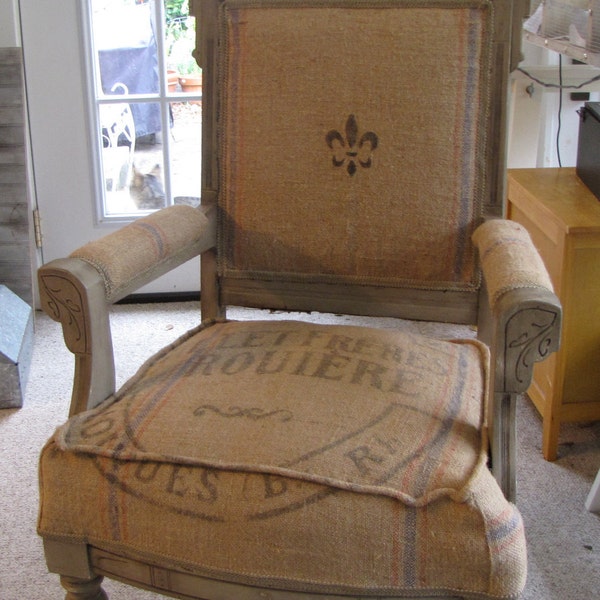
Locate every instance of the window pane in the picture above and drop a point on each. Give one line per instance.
(133, 165)
(180, 39)
(150, 127)
(126, 46)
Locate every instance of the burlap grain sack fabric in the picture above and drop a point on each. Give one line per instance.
(509, 258)
(329, 458)
(348, 167)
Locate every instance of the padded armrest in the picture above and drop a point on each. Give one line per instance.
(524, 320)
(147, 248)
(509, 260)
(77, 291)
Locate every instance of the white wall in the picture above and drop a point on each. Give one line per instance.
(534, 111)
(9, 24)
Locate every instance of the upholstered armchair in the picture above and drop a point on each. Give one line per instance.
(353, 162)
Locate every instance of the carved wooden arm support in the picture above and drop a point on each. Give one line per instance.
(522, 329)
(527, 330)
(77, 291)
(72, 293)
(520, 320)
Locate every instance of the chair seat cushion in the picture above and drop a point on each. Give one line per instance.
(295, 455)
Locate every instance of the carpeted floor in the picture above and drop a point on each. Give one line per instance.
(563, 538)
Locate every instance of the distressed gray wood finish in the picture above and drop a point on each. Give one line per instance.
(15, 257)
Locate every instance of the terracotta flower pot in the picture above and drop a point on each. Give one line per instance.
(172, 79)
(191, 83)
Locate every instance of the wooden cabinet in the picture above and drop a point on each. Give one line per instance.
(563, 218)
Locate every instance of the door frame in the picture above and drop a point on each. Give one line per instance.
(62, 168)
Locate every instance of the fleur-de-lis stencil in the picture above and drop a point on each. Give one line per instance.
(352, 149)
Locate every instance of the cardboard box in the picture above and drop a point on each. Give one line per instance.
(588, 148)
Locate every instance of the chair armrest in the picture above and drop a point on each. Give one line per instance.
(147, 248)
(78, 290)
(523, 319)
(520, 321)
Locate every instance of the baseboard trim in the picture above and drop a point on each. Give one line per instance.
(156, 297)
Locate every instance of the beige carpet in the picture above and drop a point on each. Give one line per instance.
(563, 538)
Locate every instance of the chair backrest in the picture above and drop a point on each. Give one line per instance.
(351, 148)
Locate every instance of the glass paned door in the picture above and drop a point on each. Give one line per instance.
(147, 102)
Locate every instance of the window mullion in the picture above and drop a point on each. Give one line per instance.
(164, 105)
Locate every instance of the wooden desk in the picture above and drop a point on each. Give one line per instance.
(563, 218)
